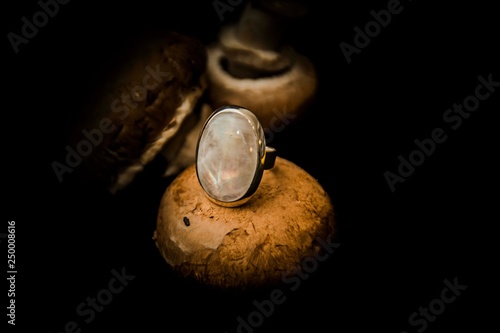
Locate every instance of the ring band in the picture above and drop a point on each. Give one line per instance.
(270, 158)
(231, 155)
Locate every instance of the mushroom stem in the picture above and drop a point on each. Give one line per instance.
(260, 29)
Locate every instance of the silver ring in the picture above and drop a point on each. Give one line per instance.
(231, 155)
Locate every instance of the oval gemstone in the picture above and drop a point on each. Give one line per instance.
(229, 153)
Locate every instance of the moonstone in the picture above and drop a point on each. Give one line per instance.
(229, 153)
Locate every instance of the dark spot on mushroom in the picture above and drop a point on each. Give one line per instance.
(186, 221)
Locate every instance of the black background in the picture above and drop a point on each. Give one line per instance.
(396, 248)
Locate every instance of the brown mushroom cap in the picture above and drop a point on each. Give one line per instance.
(289, 91)
(248, 246)
(169, 72)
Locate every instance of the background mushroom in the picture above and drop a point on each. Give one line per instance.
(251, 65)
(149, 99)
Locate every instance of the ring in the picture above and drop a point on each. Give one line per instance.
(231, 155)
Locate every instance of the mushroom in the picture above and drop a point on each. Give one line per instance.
(287, 221)
(149, 101)
(250, 66)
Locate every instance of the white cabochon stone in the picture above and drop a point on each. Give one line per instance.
(229, 153)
